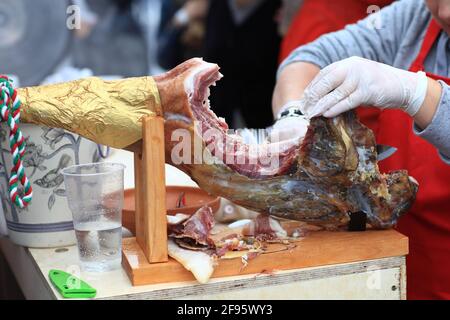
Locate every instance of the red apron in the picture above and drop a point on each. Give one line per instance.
(427, 224)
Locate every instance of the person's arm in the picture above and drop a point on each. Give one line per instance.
(291, 83)
(432, 122)
(173, 23)
(362, 39)
(426, 113)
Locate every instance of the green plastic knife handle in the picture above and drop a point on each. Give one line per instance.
(70, 286)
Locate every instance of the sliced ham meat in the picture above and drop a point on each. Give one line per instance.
(194, 233)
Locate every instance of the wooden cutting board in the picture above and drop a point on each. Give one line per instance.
(317, 249)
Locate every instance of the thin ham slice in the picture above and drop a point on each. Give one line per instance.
(195, 231)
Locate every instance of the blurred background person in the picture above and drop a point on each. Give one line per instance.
(115, 43)
(104, 36)
(242, 38)
(288, 11)
(181, 31)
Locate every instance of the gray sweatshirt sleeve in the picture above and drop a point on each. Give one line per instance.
(376, 38)
(438, 131)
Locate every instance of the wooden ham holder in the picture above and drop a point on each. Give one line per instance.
(145, 257)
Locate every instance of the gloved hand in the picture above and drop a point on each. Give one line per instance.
(289, 127)
(355, 81)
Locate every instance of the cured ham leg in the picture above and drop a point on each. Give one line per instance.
(320, 180)
(332, 172)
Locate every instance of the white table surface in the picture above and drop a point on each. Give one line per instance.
(352, 281)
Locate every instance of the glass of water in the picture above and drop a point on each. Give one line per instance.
(95, 195)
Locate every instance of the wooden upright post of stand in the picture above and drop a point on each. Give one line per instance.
(150, 191)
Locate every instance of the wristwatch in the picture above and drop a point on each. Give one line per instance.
(291, 112)
(290, 109)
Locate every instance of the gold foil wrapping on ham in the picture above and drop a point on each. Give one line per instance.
(106, 112)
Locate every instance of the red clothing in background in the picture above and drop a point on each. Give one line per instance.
(318, 17)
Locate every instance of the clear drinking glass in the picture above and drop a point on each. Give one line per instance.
(95, 195)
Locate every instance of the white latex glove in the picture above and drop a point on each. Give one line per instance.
(355, 81)
(289, 128)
